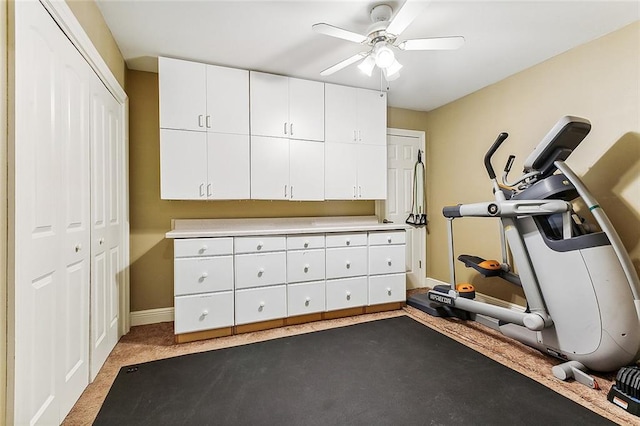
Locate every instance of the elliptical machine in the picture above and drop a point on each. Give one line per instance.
(582, 291)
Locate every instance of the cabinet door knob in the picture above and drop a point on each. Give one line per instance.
(348, 295)
(389, 240)
(389, 262)
(348, 241)
(204, 313)
(204, 275)
(259, 246)
(78, 247)
(306, 268)
(306, 244)
(260, 272)
(261, 306)
(348, 264)
(389, 291)
(307, 301)
(203, 248)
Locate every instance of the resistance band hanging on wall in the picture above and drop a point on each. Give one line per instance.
(417, 216)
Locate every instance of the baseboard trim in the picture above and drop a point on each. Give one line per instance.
(432, 282)
(151, 316)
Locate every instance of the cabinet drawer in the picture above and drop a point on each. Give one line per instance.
(203, 312)
(305, 265)
(346, 293)
(261, 304)
(386, 259)
(303, 242)
(305, 298)
(202, 247)
(387, 289)
(346, 262)
(202, 275)
(254, 270)
(347, 240)
(386, 238)
(259, 244)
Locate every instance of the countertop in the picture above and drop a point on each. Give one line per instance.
(198, 228)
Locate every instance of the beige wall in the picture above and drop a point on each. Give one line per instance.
(90, 17)
(599, 81)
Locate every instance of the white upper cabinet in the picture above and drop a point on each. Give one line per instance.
(286, 169)
(355, 115)
(286, 107)
(202, 97)
(355, 172)
(183, 94)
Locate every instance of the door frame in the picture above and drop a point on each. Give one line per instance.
(380, 205)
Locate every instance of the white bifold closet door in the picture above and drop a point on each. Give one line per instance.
(65, 172)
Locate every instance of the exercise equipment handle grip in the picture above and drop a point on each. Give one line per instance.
(487, 158)
(451, 211)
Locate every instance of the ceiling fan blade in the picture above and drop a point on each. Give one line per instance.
(407, 13)
(343, 64)
(435, 43)
(332, 31)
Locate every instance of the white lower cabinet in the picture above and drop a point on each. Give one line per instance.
(305, 298)
(346, 293)
(203, 311)
(387, 289)
(226, 281)
(261, 304)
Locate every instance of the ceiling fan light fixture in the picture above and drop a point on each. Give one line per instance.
(367, 65)
(384, 55)
(393, 71)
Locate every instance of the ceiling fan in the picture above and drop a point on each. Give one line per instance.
(383, 36)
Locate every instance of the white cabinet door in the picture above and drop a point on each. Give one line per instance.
(306, 170)
(269, 104)
(372, 117)
(305, 298)
(227, 100)
(269, 168)
(183, 99)
(261, 304)
(340, 113)
(346, 293)
(306, 109)
(183, 165)
(387, 289)
(228, 166)
(372, 172)
(340, 172)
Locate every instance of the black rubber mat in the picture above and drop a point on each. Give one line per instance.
(388, 372)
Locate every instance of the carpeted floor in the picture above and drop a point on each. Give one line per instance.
(156, 341)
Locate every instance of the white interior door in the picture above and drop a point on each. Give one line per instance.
(402, 150)
(106, 221)
(50, 216)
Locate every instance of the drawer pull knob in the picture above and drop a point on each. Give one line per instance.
(259, 245)
(204, 275)
(306, 268)
(203, 249)
(389, 291)
(348, 264)
(261, 307)
(306, 244)
(389, 262)
(260, 272)
(389, 240)
(348, 295)
(307, 301)
(204, 314)
(78, 247)
(348, 242)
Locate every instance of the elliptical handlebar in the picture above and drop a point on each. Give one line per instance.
(487, 158)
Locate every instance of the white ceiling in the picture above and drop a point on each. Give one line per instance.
(502, 38)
